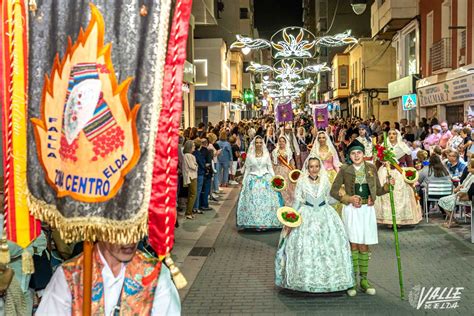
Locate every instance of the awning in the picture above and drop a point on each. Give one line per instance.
(213, 96)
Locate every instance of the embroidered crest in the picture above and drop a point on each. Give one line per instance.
(131, 287)
(86, 137)
(97, 292)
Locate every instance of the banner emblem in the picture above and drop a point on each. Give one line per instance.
(86, 138)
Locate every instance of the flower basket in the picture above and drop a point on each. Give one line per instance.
(289, 216)
(410, 175)
(294, 175)
(278, 183)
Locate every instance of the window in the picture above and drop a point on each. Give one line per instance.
(201, 72)
(244, 13)
(343, 77)
(429, 41)
(410, 54)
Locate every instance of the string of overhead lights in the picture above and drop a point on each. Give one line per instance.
(291, 48)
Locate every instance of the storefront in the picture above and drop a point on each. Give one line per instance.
(449, 96)
(396, 90)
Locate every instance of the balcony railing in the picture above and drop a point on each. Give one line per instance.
(440, 54)
(463, 39)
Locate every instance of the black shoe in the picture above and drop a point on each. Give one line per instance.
(206, 209)
(197, 211)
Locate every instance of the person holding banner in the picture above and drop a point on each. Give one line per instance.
(124, 280)
(293, 143)
(283, 163)
(258, 202)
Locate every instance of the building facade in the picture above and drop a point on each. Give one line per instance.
(371, 68)
(447, 64)
(398, 21)
(231, 18)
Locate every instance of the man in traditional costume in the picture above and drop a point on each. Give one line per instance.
(124, 282)
(361, 186)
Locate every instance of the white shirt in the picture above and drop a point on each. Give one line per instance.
(57, 298)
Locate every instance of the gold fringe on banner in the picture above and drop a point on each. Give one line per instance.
(4, 251)
(91, 228)
(27, 265)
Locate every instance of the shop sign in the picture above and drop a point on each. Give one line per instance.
(452, 91)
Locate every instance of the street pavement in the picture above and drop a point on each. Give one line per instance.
(237, 276)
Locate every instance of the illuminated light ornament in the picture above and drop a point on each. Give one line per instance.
(336, 40)
(288, 69)
(293, 46)
(270, 83)
(248, 42)
(255, 67)
(314, 69)
(304, 82)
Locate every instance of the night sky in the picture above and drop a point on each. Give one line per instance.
(272, 15)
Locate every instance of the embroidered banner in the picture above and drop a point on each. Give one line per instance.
(93, 147)
(320, 115)
(20, 226)
(86, 137)
(284, 112)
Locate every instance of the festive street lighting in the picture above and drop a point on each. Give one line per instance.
(291, 47)
(359, 6)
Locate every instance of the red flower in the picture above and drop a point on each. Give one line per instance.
(278, 182)
(409, 174)
(244, 156)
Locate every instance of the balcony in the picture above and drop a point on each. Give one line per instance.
(390, 16)
(440, 56)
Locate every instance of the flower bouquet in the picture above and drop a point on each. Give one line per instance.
(289, 216)
(278, 183)
(294, 175)
(410, 175)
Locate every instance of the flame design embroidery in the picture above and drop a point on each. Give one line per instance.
(86, 137)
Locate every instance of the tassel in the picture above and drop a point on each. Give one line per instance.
(178, 278)
(27, 265)
(32, 6)
(4, 251)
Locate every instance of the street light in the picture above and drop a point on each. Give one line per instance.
(359, 6)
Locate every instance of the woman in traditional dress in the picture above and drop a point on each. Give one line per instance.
(258, 202)
(324, 149)
(303, 142)
(408, 210)
(315, 256)
(365, 140)
(270, 139)
(283, 163)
